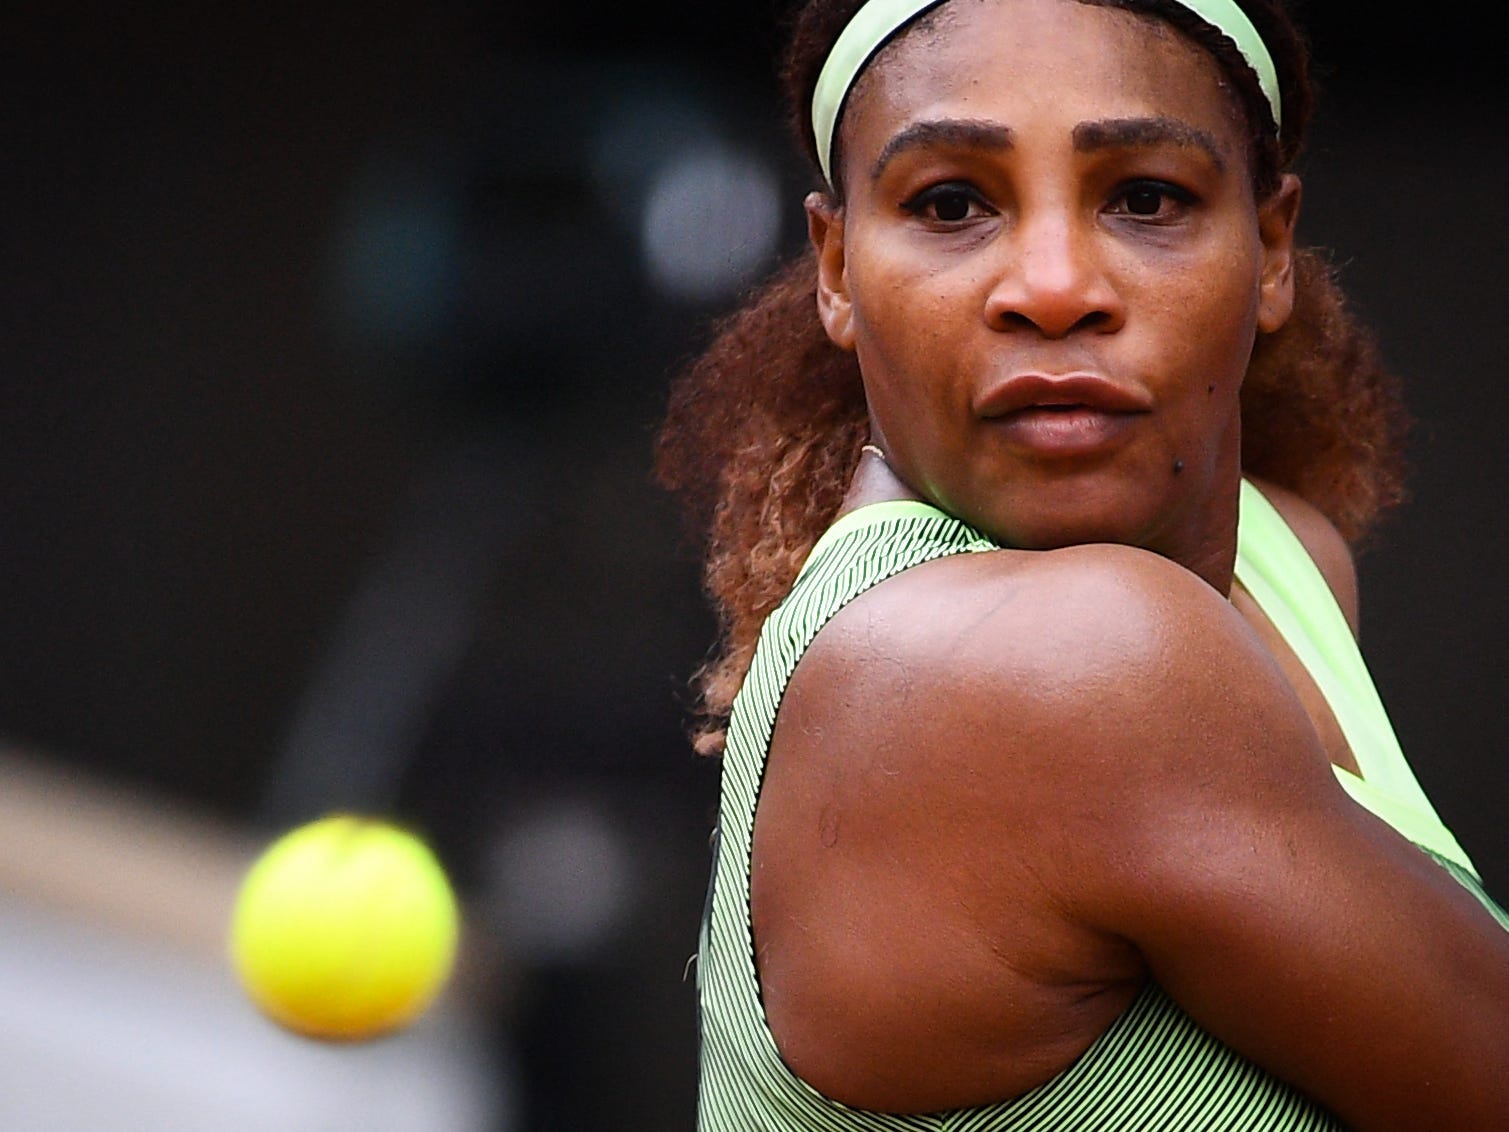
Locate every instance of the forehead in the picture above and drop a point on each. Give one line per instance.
(1006, 60)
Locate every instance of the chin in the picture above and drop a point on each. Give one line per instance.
(1078, 518)
(1056, 537)
(1127, 506)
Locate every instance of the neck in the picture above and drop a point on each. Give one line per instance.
(875, 481)
(1208, 544)
(1201, 535)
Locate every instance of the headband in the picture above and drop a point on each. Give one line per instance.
(878, 20)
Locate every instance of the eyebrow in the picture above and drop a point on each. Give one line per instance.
(1088, 137)
(1114, 133)
(957, 132)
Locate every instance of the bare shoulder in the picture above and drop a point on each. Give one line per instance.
(1072, 617)
(1323, 542)
(1086, 645)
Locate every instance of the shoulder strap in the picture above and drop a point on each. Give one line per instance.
(1274, 567)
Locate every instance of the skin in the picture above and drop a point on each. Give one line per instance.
(1132, 777)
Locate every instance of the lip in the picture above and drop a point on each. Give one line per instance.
(1061, 415)
(1065, 391)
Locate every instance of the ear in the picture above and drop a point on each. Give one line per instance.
(1277, 218)
(825, 229)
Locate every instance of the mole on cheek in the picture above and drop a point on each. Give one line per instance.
(1178, 467)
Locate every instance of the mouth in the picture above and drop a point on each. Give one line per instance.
(1062, 416)
(1066, 393)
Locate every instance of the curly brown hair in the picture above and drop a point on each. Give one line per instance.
(763, 429)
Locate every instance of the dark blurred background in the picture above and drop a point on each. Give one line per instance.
(334, 338)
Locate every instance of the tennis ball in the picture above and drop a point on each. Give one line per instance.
(344, 929)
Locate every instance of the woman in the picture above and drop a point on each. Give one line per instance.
(1076, 808)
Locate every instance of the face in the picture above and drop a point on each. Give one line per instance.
(1051, 266)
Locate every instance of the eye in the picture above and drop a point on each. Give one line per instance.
(952, 202)
(1151, 200)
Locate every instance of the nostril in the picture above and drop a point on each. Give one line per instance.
(1013, 319)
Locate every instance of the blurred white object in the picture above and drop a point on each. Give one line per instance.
(118, 1010)
(100, 1031)
(561, 881)
(711, 224)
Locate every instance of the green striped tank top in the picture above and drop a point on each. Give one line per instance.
(1153, 1068)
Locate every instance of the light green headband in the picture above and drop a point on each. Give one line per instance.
(878, 20)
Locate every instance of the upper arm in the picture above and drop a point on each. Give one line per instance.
(1284, 918)
(1094, 751)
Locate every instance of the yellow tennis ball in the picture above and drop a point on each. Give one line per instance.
(345, 928)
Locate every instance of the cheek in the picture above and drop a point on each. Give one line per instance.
(1206, 323)
(917, 307)
(1206, 410)
(901, 344)
(1210, 319)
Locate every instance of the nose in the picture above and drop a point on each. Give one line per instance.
(1053, 281)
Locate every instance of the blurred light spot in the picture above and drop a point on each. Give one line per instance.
(396, 253)
(561, 882)
(711, 221)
